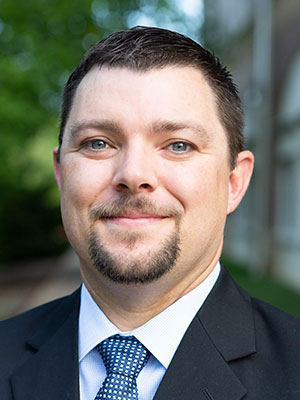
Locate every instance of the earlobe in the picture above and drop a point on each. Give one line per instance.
(239, 179)
(56, 166)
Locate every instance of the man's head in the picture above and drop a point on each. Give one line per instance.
(145, 48)
(144, 170)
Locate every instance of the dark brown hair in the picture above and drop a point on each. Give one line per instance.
(146, 48)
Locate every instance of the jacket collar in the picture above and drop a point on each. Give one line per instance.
(227, 317)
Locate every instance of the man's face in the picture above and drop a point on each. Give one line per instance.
(144, 175)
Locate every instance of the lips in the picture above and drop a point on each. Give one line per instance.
(134, 218)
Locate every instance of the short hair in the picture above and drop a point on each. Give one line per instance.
(145, 48)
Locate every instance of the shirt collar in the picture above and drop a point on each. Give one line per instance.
(161, 335)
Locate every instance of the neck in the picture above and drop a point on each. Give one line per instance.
(129, 306)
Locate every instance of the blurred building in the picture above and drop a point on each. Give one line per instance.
(260, 43)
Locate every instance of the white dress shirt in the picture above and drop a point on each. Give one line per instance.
(161, 336)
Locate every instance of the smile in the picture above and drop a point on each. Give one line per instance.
(134, 219)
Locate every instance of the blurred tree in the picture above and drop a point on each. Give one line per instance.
(41, 41)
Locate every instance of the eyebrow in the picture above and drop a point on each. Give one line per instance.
(99, 125)
(173, 126)
(160, 126)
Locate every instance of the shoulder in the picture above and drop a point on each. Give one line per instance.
(277, 356)
(266, 316)
(262, 342)
(272, 323)
(277, 340)
(281, 327)
(22, 336)
(14, 332)
(248, 322)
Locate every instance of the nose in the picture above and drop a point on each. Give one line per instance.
(135, 171)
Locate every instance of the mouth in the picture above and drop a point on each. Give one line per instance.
(134, 218)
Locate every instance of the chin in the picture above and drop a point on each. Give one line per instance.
(140, 269)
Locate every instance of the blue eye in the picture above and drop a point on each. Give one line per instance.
(98, 144)
(180, 147)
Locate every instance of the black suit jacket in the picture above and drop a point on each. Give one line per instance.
(236, 348)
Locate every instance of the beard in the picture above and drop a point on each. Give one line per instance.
(143, 270)
(138, 270)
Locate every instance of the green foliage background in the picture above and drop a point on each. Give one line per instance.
(41, 41)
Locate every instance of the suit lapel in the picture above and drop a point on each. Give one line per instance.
(198, 371)
(222, 331)
(227, 317)
(51, 372)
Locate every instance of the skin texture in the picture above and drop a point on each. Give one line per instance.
(144, 158)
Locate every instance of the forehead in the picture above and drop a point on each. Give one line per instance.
(137, 98)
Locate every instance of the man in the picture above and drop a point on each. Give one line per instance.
(150, 162)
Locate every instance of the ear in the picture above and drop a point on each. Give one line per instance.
(239, 179)
(56, 167)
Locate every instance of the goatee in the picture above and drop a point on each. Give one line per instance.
(143, 270)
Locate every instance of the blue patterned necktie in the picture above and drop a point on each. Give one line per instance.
(123, 357)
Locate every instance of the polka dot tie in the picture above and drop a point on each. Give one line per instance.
(123, 357)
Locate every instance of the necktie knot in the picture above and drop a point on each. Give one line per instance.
(123, 355)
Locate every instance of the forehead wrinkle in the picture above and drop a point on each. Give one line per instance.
(98, 125)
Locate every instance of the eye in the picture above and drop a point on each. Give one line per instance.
(180, 147)
(97, 144)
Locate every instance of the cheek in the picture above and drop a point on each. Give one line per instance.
(181, 180)
(203, 193)
(83, 182)
(195, 186)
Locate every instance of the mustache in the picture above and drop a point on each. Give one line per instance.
(127, 203)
